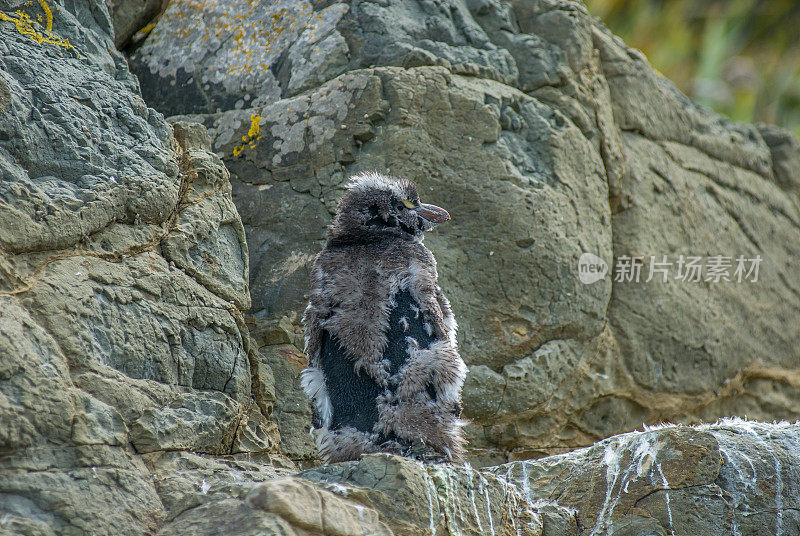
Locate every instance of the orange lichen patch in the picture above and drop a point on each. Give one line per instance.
(252, 136)
(295, 357)
(34, 29)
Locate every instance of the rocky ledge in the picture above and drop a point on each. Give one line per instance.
(735, 477)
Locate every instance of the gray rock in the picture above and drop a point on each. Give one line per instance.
(123, 277)
(207, 519)
(256, 434)
(195, 421)
(209, 241)
(36, 402)
(242, 57)
(734, 477)
(292, 411)
(186, 480)
(76, 490)
(96, 422)
(319, 511)
(65, 179)
(785, 150)
(248, 39)
(413, 498)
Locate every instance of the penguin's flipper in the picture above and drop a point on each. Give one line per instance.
(352, 395)
(425, 364)
(406, 320)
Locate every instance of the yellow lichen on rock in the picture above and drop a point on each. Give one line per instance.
(253, 38)
(27, 26)
(252, 136)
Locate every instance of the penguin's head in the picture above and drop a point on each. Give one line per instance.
(380, 206)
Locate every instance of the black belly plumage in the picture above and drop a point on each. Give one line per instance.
(353, 396)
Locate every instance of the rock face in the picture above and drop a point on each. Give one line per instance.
(736, 477)
(546, 138)
(123, 277)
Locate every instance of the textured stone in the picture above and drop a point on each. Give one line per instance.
(294, 500)
(76, 490)
(785, 149)
(96, 422)
(228, 516)
(242, 42)
(209, 242)
(35, 401)
(194, 421)
(256, 433)
(186, 480)
(141, 316)
(62, 178)
(292, 411)
(123, 276)
(734, 477)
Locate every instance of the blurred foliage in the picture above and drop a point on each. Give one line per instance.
(739, 57)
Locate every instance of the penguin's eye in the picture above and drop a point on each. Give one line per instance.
(405, 204)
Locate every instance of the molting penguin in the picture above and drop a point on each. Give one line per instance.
(384, 371)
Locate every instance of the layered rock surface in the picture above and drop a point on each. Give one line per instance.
(123, 277)
(735, 477)
(545, 137)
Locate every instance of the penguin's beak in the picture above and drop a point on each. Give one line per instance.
(432, 213)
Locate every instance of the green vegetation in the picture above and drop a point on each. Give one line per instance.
(739, 57)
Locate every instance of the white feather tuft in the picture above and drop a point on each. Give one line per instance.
(374, 180)
(313, 382)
